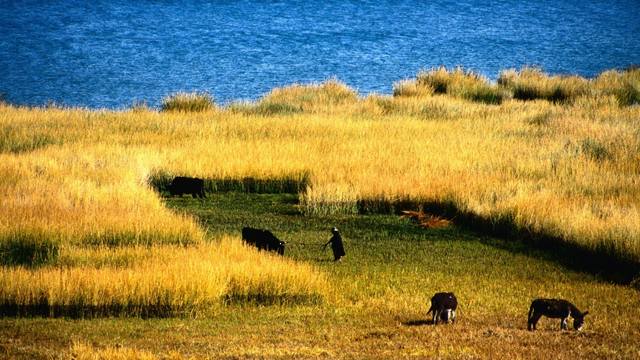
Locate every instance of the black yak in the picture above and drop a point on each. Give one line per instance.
(263, 240)
(443, 307)
(555, 309)
(187, 185)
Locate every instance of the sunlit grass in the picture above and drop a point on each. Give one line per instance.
(84, 351)
(310, 98)
(379, 297)
(458, 83)
(532, 83)
(157, 281)
(567, 171)
(185, 102)
(564, 169)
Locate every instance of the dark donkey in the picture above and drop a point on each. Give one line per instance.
(443, 307)
(555, 309)
(187, 185)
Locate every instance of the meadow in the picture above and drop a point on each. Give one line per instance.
(549, 164)
(376, 303)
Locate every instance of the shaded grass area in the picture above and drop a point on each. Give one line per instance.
(292, 183)
(602, 261)
(378, 308)
(28, 251)
(380, 236)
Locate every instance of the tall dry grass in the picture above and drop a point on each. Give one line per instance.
(532, 83)
(310, 98)
(185, 102)
(83, 351)
(567, 169)
(456, 82)
(161, 280)
(84, 195)
(528, 83)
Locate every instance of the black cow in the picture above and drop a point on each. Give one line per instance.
(443, 307)
(263, 240)
(187, 185)
(555, 309)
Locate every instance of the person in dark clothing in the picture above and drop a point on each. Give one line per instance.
(336, 245)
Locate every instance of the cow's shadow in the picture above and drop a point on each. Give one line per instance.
(420, 322)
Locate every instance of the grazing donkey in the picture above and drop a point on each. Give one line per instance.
(555, 309)
(443, 307)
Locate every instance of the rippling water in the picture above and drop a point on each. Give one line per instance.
(112, 53)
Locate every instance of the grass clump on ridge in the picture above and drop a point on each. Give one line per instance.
(313, 98)
(460, 83)
(410, 88)
(188, 102)
(624, 85)
(529, 83)
(532, 83)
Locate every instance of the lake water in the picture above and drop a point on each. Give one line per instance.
(112, 53)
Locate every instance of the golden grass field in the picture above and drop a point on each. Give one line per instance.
(568, 169)
(82, 227)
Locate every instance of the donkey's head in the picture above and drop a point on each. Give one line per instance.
(578, 320)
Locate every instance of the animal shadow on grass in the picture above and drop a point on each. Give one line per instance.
(420, 322)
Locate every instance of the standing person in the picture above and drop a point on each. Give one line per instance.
(336, 245)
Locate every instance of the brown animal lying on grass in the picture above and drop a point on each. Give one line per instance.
(427, 221)
(555, 309)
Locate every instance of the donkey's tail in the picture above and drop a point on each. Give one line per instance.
(530, 312)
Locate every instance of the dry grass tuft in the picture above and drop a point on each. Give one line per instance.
(310, 98)
(533, 83)
(411, 88)
(186, 102)
(83, 351)
(460, 83)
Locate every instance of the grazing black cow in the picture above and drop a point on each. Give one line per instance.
(263, 240)
(555, 309)
(187, 185)
(443, 307)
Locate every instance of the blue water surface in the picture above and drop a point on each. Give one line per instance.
(113, 53)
